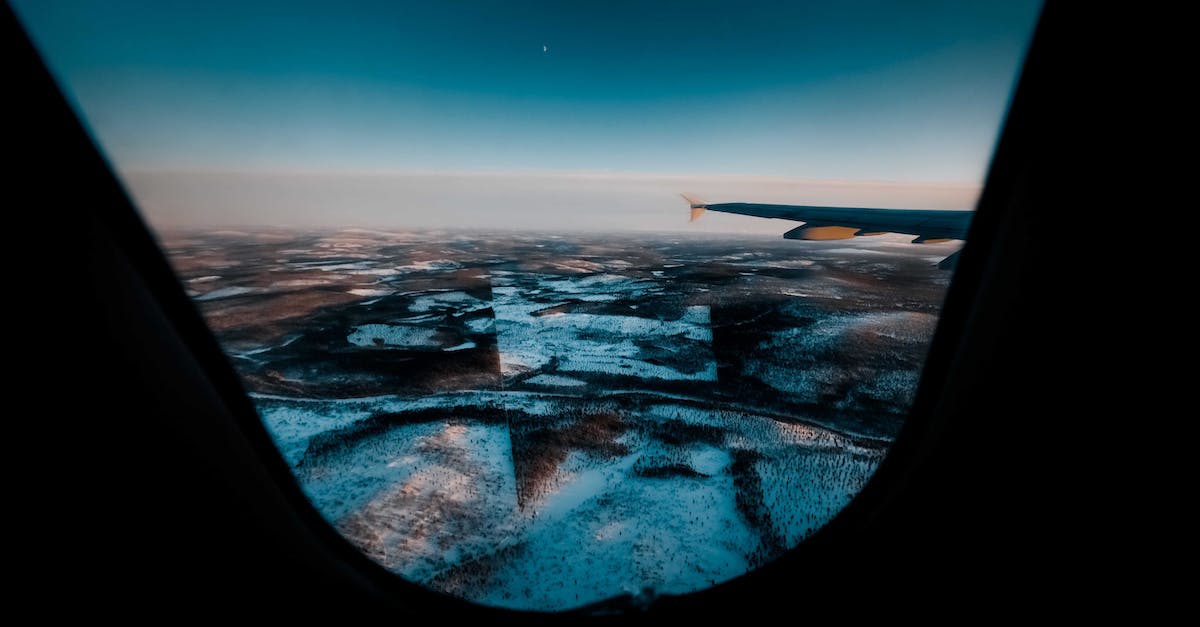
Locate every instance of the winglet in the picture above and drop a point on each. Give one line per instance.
(698, 206)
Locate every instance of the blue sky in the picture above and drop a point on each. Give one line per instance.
(911, 93)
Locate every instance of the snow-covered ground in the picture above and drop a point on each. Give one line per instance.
(393, 335)
(530, 335)
(437, 502)
(544, 422)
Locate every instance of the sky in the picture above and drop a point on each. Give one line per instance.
(559, 115)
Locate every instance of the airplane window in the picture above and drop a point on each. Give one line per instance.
(506, 281)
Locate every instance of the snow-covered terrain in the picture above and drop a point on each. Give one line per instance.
(544, 422)
(439, 502)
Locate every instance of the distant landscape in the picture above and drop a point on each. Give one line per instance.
(544, 421)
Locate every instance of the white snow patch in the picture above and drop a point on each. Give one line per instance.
(481, 325)
(437, 496)
(797, 263)
(392, 335)
(375, 272)
(708, 460)
(434, 264)
(671, 536)
(421, 319)
(226, 292)
(555, 380)
(460, 301)
(595, 343)
(299, 282)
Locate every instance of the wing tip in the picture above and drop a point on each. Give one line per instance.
(698, 206)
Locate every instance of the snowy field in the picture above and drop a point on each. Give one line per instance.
(673, 499)
(543, 422)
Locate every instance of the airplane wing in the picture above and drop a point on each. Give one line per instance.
(826, 223)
